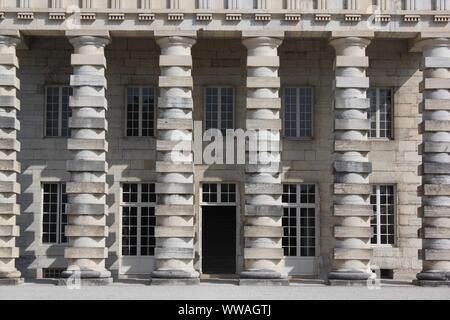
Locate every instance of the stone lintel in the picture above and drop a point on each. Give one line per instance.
(175, 33)
(89, 33)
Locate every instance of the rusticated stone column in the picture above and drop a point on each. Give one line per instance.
(175, 164)
(9, 167)
(436, 163)
(87, 188)
(352, 232)
(263, 255)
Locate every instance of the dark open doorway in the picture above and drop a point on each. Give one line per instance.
(219, 240)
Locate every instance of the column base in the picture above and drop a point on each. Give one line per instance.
(175, 282)
(11, 281)
(90, 282)
(263, 278)
(348, 278)
(433, 279)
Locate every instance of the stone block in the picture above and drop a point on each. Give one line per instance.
(352, 103)
(9, 253)
(87, 166)
(9, 144)
(174, 188)
(87, 231)
(352, 254)
(263, 82)
(352, 145)
(351, 124)
(434, 84)
(436, 62)
(170, 82)
(176, 102)
(263, 103)
(437, 104)
(174, 232)
(436, 255)
(9, 102)
(352, 232)
(174, 253)
(437, 125)
(10, 166)
(437, 189)
(352, 82)
(436, 168)
(166, 167)
(436, 147)
(353, 210)
(269, 124)
(352, 166)
(175, 124)
(88, 123)
(9, 123)
(352, 61)
(85, 253)
(86, 188)
(88, 101)
(9, 59)
(436, 212)
(162, 145)
(9, 187)
(8, 209)
(9, 231)
(87, 144)
(263, 231)
(263, 188)
(263, 211)
(263, 61)
(89, 80)
(436, 233)
(174, 210)
(171, 60)
(88, 209)
(9, 80)
(263, 253)
(256, 168)
(352, 188)
(88, 59)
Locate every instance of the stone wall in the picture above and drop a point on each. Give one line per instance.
(304, 62)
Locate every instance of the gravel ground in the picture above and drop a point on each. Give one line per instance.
(214, 291)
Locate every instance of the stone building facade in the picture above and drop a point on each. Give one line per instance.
(104, 104)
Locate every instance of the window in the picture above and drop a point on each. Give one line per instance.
(383, 220)
(380, 114)
(218, 193)
(299, 220)
(298, 112)
(140, 115)
(57, 112)
(219, 105)
(138, 219)
(52, 273)
(54, 218)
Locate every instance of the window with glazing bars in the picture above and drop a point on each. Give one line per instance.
(54, 218)
(140, 113)
(57, 111)
(299, 220)
(383, 220)
(138, 219)
(380, 114)
(218, 193)
(219, 108)
(298, 112)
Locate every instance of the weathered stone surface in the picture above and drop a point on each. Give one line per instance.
(9, 231)
(263, 188)
(87, 165)
(174, 253)
(10, 102)
(352, 232)
(352, 103)
(352, 61)
(87, 80)
(88, 59)
(263, 103)
(436, 147)
(164, 167)
(175, 102)
(86, 209)
(352, 82)
(348, 188)
(174, 210)
(87, 231)
(262, 231)
(437, 104)
(9, 209)
(436, 233)
(437, 189)
(88, 101)
(272, 124)
(162, 145)
(9, 123)
(263, 211)
(353, 210)
(436, 62)
(351, 124)
(263, 253)
(352, 145)
(86, 187)
(89, 253)
(175, 124)
(436, 212)
(169, 60)
(174, 188)
(437, 125)
(263, 82)
(351, 166)
(440, 255)
(87, 144)
(178, 81)
(88, 123)
(9, 80)
(260, 61)
(9, 187)
(435, 83)
(173, 232)
(352, 254)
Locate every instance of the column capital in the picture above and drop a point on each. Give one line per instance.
(10, 37)
(175, 40)
(261, 41)
(432, 43)
(343, 44)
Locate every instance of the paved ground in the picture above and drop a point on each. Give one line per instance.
(211, 291)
